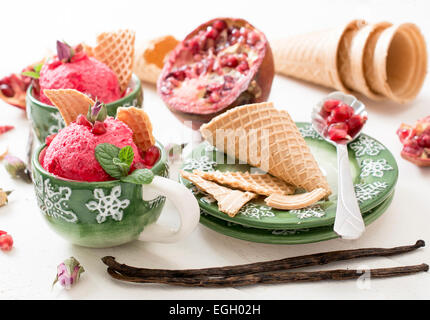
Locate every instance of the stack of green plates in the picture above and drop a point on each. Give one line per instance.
(374, 171)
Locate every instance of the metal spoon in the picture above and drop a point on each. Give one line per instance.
(349, 222)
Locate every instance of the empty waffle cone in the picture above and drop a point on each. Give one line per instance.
(116, 50)
(263, 184)
(150, 57)
(138, 121)
(313, 56)
(266, 138)
(69, 102)
(397, 65)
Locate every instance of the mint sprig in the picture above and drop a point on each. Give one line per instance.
(116, 162)
(34, 74)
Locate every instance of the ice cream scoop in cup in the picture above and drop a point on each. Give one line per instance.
(339, 119)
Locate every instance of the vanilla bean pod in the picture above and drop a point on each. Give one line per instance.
(273, 277)
(268, 266)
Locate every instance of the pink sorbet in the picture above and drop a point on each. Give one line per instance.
(84, 74)
(71, 155)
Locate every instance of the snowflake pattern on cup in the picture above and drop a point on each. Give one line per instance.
(203, 163)
(256, 211)
(374, 168)
(53, 201)
(108, 205)
(367, 191)
(365, 145)
(56, 116)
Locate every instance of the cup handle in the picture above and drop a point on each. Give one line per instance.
(185, 203)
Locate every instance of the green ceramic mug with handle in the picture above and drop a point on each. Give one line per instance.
(111, 213)
(47, 120)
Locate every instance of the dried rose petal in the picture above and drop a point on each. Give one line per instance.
(6, 128)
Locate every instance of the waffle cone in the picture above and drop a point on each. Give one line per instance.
(295, 201)
(397, 65)
(69, 102)
(313, 56)
(116, 50)
(267, 138)
(150, 57)
(229, 201)
(138, 121)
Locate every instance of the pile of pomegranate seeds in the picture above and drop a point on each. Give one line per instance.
(222, 53)
(151, 156)
(341, 122)
(6, 241)
(416, 141)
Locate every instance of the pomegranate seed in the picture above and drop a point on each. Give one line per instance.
(404, 134)
(6, 90)
(6, 242)
(329, 105)
(243, 31)
(355, 123)
(151, 156)
(413, 148)
(49, 139)
(178, 75)
(212, 33)
(194, 46)
(83, 121)
(243, 66)
(424, 140)
(231, 62)
(235, 33)
(98, 128)
(341, 113)
(2, 232)
(253, 38)
(219, 25)
(338, 131)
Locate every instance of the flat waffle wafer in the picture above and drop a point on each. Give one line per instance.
(138, 121)
(263, 184)
(296, 201)
(69, 102)
(229, 201)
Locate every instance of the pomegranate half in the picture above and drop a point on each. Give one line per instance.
(223, 63)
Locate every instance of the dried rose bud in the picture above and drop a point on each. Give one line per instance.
(98, 112)
(3, 197)
(64, 51)
(68, 272)
(17, 168)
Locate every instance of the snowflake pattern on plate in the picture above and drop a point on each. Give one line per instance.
(366, 146)
(367, 191)
(308, 131)
(203, 163)
(53, 201)
(108, 205)
(374, 168)
(315, 211)
(256, 211)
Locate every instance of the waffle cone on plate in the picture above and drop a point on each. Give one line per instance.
(266, 138)
(138, 121)
(379, 60)
(69, 102)
(116, 50)
(229, 201)
(150, 57)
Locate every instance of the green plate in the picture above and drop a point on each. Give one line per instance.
(374, 171)
(284, 236)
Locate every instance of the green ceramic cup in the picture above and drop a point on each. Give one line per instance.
(47, 120)
(111, 213)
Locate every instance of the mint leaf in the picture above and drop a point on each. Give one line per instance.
(31, 74)
(38, 67)
(105, 154)
(126, 155)
(139, 176)
(124, 167)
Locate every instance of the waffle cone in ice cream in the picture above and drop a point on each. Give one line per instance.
(266, 138)
(116, 50)
(150, 57)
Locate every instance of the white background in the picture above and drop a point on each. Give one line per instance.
(29, 30)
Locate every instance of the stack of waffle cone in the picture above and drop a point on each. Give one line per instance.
(267, 138)
(380, 60)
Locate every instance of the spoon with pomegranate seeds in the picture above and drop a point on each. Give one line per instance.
(339, 119)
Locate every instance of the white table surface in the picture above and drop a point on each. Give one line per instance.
(30, 29)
